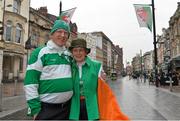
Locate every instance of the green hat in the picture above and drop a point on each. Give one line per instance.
(59, 24)
(79, 43)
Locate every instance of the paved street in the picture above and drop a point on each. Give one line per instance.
(139, 100)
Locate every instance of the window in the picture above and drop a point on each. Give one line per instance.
(20, 64)
(34, 40)
(18, 33)
(8, 31)
(16, 6)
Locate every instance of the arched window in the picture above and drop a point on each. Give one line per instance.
(16, 6)
(18, 37)
(8, 31)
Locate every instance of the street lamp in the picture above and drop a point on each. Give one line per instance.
(154, 42)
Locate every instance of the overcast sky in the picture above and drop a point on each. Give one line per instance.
(116, 18)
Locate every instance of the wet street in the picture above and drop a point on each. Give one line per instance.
(139, 100)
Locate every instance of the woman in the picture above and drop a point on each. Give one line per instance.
(90, 92)
(85, 71)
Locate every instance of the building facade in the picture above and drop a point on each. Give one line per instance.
(39, 28)
(119, 59)
(136, 64)
(148, 61)
(174, 28)
(91, 43)
(104, 40)
(99, 51)
(15, 20)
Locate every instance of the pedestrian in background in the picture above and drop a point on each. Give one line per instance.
(48, 82)
(145, 76)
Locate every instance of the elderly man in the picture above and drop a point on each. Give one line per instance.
(48, 83)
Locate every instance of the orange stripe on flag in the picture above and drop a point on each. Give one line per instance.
(108, 105)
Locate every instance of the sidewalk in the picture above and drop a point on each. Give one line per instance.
(175, 89)
(150, 102)
(13, 100)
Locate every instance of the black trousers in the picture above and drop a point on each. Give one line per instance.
(83, 110)
(54, 111)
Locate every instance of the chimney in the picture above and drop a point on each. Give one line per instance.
(43, 10)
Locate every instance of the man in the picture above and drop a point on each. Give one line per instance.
(48, 83)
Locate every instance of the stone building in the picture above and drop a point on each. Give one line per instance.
(163, 42)
(103, 38)
(39, 29)
(91, 43)
(148, 61)
(119, 59)
(136, 64)
(15, 23)
(174, 28)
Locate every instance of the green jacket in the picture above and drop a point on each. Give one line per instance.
(90, 71)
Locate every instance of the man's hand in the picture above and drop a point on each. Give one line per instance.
(103, 75)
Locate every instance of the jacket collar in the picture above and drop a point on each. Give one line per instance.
(52, 45)
(87, 61)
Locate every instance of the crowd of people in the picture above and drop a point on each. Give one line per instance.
(163, 78)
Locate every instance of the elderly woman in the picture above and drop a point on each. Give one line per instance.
(91, 93)
(84, 105)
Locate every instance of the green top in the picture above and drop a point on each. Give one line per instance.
(48, 77)
(90, 72)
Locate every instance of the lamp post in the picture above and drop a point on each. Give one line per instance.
(60, 8)
(155, 49)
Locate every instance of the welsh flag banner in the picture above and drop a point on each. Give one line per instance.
(144, 15)
(67, 15)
